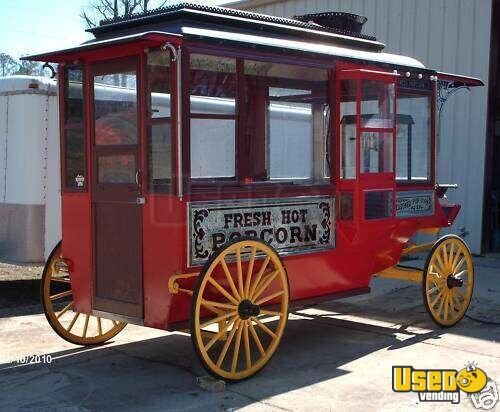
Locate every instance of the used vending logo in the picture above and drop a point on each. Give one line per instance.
(445, 385)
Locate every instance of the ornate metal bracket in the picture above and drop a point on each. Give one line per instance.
(53, 73)
(173, 50)
(445, 89)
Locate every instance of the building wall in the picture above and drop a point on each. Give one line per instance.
(447, 35)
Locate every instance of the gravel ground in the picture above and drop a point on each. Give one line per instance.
(19, 289)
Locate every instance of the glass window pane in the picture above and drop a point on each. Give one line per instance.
(414, 111)
(348, 111)
(160, 155)
(376, 152)
(287, 122)
(402, 141)
(377, 104)
(159, 83)
(290, 136)
(378, 204)
(74, 130)
(116, 168)
(212, 148)
(115, 108)
(284, 71)
(213, 84)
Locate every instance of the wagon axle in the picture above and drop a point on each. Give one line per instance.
(247, 309)
(454, 282)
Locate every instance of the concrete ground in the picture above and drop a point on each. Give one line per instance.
(336, 356)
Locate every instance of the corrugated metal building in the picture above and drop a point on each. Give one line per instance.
(447, 35)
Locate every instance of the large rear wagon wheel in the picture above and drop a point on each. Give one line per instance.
(57, 301)
(448, 280)
(239, 316)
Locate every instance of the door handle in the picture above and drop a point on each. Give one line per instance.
(138, 178)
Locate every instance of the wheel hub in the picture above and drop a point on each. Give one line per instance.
(454, 282)
(247, 309)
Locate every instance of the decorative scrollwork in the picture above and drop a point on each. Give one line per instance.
(445, 89)
(325, 223)
(199, 233)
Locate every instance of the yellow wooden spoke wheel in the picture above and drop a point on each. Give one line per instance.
(448, 280)
(240, 309)
(57, 301)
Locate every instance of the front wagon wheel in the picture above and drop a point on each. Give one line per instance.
(58, 306)
(239, 309)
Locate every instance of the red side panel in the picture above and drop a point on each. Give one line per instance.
(163, 250)
(77, 246)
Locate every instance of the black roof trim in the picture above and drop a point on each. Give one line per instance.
(120, 22)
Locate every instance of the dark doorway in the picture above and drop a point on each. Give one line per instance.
(491, 216)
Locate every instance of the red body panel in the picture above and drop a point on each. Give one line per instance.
(362, 247)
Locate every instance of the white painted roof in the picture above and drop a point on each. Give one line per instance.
(311, 47)
(20, 83)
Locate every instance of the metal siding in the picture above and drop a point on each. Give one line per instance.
(4, 101)
(448, 35)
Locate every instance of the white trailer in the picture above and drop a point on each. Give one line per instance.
(30, 202)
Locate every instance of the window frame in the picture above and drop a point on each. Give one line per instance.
(63, 75)
(208, 187)
(409, 182)
(149, 122)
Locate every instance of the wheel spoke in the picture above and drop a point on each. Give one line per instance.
(270, 297)
(60, 280)
(228, 342)
(73, 321)
(249, 271)
(441, 305)
(444, 254)
(246, 340)
(85, 327)
(455, 259)
(237, 345)
(441, 264)
(446, 304)
(240, 271)
(459, 264)
(459, 274)
(218, 319)
(259, 275)
(222, 290)
(229, 279)
(65, 309)
(99, 325)
(61, 295)
(436, 299)
(265, 283)
(256, 339)
(219, 335)
(210, 304)
(451, 255)
(270, 312)
(265, 328)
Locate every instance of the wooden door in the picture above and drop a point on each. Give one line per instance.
(116, 189)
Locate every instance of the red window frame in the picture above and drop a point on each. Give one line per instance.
(63, 79)
(409, 183)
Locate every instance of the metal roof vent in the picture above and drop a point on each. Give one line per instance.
(348, 22)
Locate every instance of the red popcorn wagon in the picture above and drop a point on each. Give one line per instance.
(220, 167)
